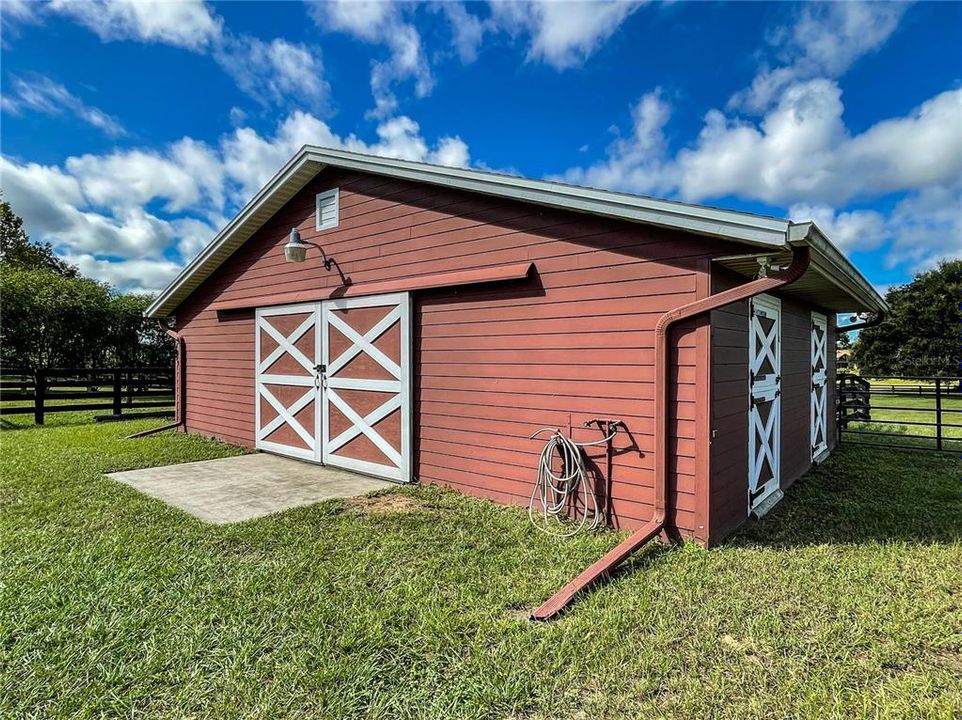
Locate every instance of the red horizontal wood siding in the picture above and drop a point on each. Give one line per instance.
(492, 363)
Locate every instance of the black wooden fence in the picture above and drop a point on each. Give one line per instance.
(122, 391)
(909, 411)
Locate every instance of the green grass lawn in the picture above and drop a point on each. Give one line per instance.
(845, 602)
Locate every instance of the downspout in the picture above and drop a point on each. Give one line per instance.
(180, 377)
(557, 602)
(180, 388)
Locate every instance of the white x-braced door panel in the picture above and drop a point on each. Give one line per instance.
(287, 396)
(367, 376)
(819, 388)
(765, 385)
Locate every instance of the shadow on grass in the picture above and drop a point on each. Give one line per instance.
(25, 422)
(18, 423)
(863, 495)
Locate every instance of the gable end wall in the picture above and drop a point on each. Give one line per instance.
(492, 363)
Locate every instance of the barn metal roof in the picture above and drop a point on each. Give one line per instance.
(833, 282)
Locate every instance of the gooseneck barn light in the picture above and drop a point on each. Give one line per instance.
(296, 250)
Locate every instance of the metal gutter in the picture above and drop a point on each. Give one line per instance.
(845, 274)
(560, 600)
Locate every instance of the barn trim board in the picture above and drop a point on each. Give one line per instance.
(323, 384)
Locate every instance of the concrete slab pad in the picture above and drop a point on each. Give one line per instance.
(240, 488)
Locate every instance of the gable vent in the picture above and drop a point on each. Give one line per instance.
(327, 209)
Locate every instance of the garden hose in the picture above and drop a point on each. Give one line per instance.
(555, 494)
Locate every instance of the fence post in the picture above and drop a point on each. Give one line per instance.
(40, 389)
(118, 397)
(938, 413)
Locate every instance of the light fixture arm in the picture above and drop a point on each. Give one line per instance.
(296, 250)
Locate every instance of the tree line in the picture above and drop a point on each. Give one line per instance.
(52, 316)
(922, 332)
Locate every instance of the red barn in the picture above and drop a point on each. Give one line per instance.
(442, 315)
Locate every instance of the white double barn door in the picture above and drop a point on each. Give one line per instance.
(332, 383)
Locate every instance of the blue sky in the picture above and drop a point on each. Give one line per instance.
(131, 132)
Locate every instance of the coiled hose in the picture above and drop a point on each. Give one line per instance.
(554, 494)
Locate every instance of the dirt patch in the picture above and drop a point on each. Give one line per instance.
(381, 504)
(950, 660)
(518, 611)
(744, 648)
(522, 614)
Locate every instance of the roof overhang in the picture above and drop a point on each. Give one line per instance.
(831, 281)
(765, 233)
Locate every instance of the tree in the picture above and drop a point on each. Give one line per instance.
(133, 339)
(54, 317)
(50, 320)
(920, 335)
(17, 250)
(55, 321)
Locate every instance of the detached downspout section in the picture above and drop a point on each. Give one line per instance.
(557, 602)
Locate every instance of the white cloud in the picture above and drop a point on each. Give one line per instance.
(801, 155)
(54, 209)
(41, 94)
(237, 116)
(802, 151)
(186, 174)
(927, 227)
(635, 163)
(922, 229)
(275, 71)
(193, 235)
(467, 30)
(100, 211)
(825, 40)
(185, 23)
(132, 275)
(851, 230)
(451, 151)
(21, 10)
(381, 23)
(272, 72)
(562, 34)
